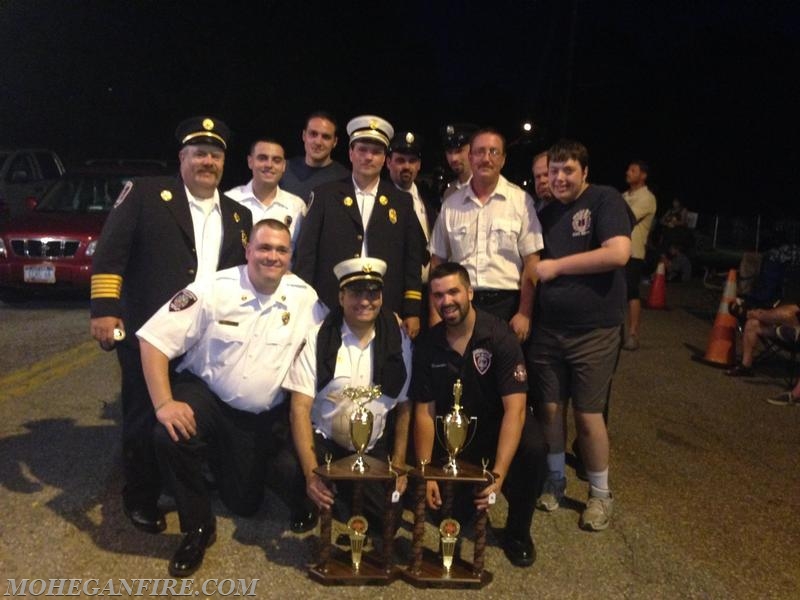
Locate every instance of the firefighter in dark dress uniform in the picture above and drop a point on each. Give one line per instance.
(162, 234)
(360, 216)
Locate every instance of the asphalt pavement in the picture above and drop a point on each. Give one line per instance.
(705, 474)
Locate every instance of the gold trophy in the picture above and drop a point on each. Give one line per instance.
(358, 533)
(361, 420)
(456, 427)
(448, 531)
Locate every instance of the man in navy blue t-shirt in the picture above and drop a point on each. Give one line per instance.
(578, 314)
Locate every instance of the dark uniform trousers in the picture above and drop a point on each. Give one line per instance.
(142, 479)
(524, 480)
(503, 304)
(244, 451)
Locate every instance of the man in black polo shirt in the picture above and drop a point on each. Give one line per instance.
(481, 350)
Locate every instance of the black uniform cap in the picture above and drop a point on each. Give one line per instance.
(203, 130)
(406, 142)
(455, 135)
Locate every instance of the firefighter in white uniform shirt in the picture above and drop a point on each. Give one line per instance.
(262, 194)
(358, 345)
(239, 333)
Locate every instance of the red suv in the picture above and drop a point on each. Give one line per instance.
(51, 247)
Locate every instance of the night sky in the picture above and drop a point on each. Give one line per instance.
(707, 92)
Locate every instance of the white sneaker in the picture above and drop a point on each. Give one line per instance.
(552, 493)
(597, 514)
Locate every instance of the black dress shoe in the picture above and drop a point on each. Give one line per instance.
(145, 518)
(519, 552)
(189, 555)
(740, 371)
(302, 520)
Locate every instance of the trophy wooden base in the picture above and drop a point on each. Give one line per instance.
(426, 569)
(335, 566)
(432, 573)
(338, 570)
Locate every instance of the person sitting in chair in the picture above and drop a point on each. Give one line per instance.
(771, 323)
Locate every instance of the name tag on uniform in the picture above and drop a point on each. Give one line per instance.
(231, 323)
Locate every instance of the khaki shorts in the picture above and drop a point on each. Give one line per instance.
(576, 365)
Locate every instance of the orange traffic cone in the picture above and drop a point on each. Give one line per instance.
(658, 291)
(722, 341)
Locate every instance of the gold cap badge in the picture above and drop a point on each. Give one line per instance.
(208, 124)
(373, 124)
(166, 195)
(410, 138)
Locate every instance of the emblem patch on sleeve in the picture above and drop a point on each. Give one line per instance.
(126, 189)
(182, 300)
(482, 359)
(520, 374)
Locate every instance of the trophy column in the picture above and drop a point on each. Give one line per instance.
(444, 569)
(357, 567)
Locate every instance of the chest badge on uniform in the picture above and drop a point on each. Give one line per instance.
(166, 195)
(244, 238)
(482, 359)
(182, 300)
(383, 200)
(285, 318)
(520, 374)
(348, 201)
(236, 217)
(288, 220)
(393, 216)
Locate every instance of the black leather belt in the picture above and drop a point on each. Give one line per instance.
(493, 296)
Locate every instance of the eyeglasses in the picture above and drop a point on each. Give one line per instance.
(492, 152)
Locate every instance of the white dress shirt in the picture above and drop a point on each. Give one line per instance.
(285, 207)
(490, 240)
(240, 342)
(330, 412)
(207, 227)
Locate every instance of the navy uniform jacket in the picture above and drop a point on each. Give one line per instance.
(332, 232)
(146, 252)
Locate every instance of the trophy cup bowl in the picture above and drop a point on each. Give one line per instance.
(358, 533)
(360, 434)
(448, 531)
(457, 431)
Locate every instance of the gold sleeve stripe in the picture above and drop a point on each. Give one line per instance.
(106, 286)
(413, 295)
